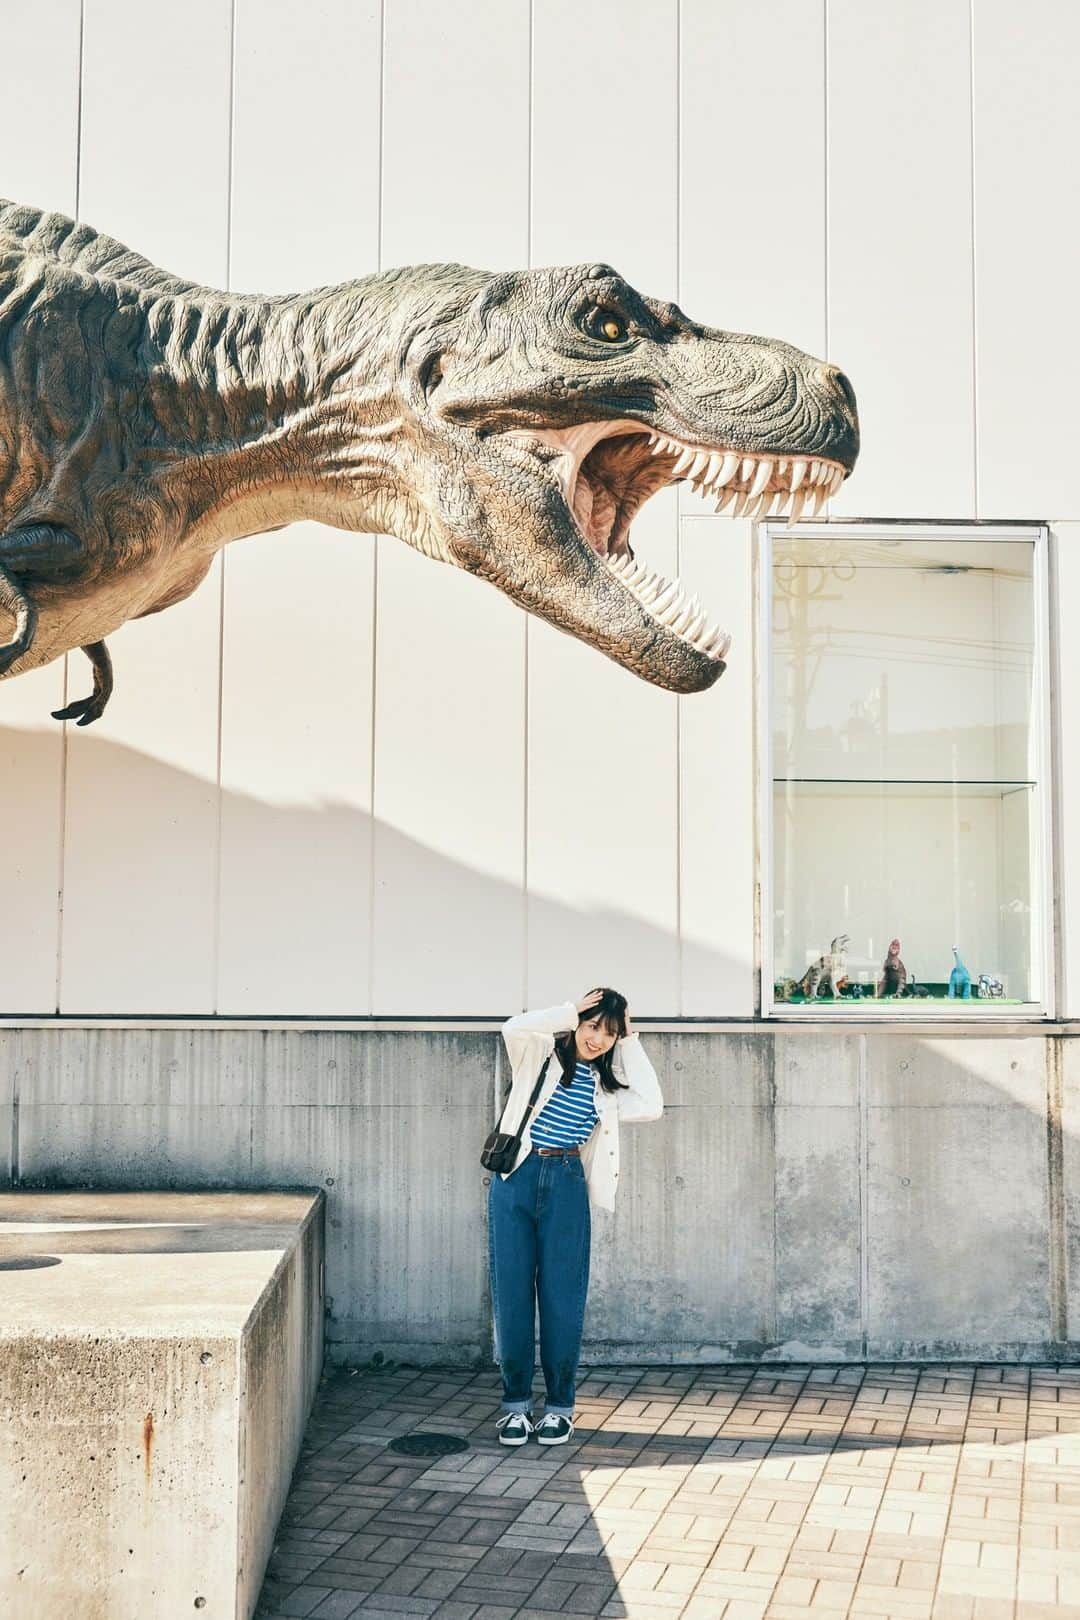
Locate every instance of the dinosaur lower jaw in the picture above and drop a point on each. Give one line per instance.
(608, 470)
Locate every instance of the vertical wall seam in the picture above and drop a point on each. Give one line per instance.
(526, 773)
(680, 954)
(759, 542)
(974, 275)
(373, 821)
(864, 1199)
(825, 189)
(215, 942)
(1055, 1191)
(61, 871)
(1053, 773)
(14, 1172)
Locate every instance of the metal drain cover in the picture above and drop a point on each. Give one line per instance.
(421, 1444)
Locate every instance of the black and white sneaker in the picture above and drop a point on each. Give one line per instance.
(514, 1428)
(553, 1430)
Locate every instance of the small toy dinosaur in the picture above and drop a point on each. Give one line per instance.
(894, 975)
(828, 970)
(959, 979)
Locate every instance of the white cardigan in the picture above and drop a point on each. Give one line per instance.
(529, 1038)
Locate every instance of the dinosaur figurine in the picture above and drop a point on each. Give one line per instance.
(828, 970)
(508, 424)
(894, 974)
(959, 979)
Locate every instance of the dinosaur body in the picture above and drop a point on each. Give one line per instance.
(825, 976)
(509, 424)
(959, 979)
(894, 975)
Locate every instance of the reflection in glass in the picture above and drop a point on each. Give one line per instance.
(904, 763)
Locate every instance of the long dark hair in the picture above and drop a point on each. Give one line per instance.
(612, 1009)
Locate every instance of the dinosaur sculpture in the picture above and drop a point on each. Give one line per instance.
(511, 424)
(959, 979)
(828, 970)
(894, 975)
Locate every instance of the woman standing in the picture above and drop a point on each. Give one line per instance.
(597, 1077)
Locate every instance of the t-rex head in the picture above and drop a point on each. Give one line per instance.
(542, 408)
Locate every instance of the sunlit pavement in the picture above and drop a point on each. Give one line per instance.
(716, 1493)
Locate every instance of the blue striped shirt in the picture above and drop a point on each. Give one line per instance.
(568, 1116)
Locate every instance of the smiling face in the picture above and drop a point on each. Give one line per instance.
(549, 407)
(593, 1037)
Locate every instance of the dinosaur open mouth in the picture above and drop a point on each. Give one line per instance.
(608, 470)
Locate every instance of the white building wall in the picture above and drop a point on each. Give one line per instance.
(343, 780)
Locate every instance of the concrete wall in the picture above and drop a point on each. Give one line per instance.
(879, 185)
(831, 1193)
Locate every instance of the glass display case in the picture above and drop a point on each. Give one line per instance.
(905, 839)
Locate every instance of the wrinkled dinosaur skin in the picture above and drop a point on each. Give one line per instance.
(510, 424)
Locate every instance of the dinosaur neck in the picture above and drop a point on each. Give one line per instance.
(286, 410)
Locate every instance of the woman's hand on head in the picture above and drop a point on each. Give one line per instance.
(589, 1000)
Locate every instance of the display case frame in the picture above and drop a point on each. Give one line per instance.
(1043, 930)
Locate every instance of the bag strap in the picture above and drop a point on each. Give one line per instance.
(532, 1100)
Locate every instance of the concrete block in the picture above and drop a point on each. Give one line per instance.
(958, 1232)
(686, 1264)
(1064, 1091)
(818, 1232)
(159, 1353)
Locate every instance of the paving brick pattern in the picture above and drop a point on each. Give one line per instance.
(943, 1492)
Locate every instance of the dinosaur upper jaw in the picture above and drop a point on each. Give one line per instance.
(608, 470)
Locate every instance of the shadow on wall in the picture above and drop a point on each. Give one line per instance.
(289, 923)
(804, 1194)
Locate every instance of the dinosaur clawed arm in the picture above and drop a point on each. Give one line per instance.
(84, 711)
(44, 551)
(23, 611)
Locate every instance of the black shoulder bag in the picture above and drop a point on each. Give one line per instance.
(500, 1149)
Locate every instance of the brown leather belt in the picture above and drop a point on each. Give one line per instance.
(573, 1150)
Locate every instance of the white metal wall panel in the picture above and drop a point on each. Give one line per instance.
(716, 774)
(37, 166)
(752, 152)
(450, 667)
(1027, 237)
(297, 646)
(733, 280)
(472, 132)
(603, 798)
(142, 809)
(899, 215)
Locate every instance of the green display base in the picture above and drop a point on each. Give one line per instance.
(935, 997)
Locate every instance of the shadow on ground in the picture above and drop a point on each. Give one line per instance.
(935, 1492)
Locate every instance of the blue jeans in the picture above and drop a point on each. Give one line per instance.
(538, 1251)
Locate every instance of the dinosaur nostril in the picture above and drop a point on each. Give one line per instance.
(840, 384)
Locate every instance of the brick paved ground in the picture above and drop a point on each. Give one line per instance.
(944, 1492)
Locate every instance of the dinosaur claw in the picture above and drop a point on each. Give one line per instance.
(84, 712)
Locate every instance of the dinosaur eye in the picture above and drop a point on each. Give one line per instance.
(606, 325)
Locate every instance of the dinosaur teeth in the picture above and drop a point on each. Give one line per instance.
(761, 477)
(728, 469)
(798, 501)
(666, 602)
(798, 473)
